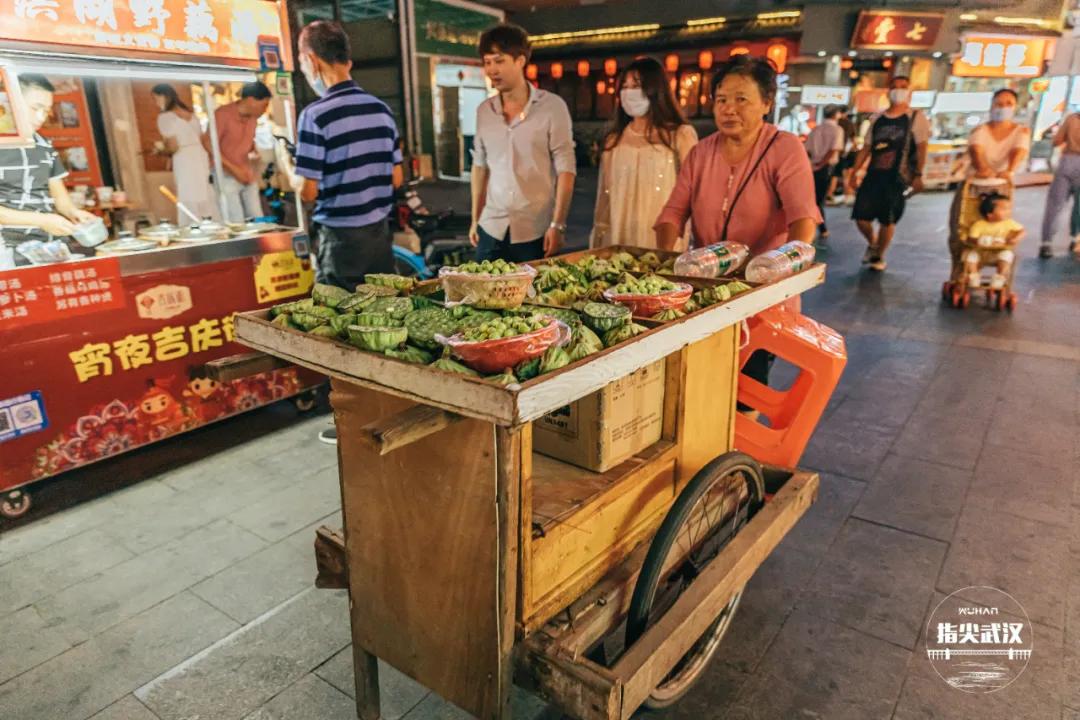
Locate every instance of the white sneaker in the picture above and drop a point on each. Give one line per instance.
(997, 282)
(974, 280)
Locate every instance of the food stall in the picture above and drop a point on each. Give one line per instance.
(117, 345)
(479, 547)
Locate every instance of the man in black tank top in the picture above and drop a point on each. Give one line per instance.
(895, 147)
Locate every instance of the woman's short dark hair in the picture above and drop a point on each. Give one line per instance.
(327, 40)
(988, 201)
(759, 69)
(1006, 91)
(507, 38)
(33, 80)
(172, 100)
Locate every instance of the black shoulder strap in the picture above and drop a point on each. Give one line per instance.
(745, 182)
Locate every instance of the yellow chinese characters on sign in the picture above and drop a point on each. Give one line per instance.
(171, 342)
(282, 275)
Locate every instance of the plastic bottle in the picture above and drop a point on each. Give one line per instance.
(777, 264)
(712, 261)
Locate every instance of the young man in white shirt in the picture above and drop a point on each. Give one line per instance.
(523, 158)
(824, 145)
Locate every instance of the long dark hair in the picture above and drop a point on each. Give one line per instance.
(172, 100)
(664, 113)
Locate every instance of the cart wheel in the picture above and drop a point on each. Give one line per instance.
(15, 504)
(718, 501)
(306, 402)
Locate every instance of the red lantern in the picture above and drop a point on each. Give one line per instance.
(705, 59)
(611, 67)
(531, 71)
(556, 70)
(583, 68)
(777, 52)
(847, 64)
(601, 87)
(671, 62)
(886, 64)
(740, 51)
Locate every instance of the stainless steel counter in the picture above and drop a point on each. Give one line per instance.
(178, 255)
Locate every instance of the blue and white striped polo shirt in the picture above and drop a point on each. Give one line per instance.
(349, 144)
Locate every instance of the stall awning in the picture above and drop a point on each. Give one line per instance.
(105, 67)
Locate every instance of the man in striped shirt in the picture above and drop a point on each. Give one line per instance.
(348, 160)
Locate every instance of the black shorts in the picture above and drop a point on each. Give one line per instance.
(492, 248)
(345, 254)
(881, 198)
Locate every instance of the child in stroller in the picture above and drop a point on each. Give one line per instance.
(991, 241)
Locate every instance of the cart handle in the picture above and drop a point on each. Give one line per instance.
(406, 427)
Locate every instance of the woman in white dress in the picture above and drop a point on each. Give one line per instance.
(183, 138)
(642, 153)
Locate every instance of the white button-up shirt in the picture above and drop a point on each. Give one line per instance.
(524, 158)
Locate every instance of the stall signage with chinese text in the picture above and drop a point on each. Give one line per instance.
(446, 28)
(281, 275)
(996, 56)
(45, 293)
(894, 30)
(825, 95)
(228, 29)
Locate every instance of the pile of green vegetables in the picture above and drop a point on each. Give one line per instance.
(489, 267)
(713, 295)
(645, 285)
(565, 283)
(405, 327)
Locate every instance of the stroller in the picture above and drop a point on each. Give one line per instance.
(955, 291)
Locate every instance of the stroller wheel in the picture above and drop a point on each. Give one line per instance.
(965, 299)
(998, 302)
(1010, 302)
(946, 290)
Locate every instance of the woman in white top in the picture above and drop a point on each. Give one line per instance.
(183, 137)
(642, 154)
(996, 149)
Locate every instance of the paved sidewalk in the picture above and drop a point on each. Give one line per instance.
(949, 458)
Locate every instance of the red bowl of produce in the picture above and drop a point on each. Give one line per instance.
(493, 356)
(649, 305)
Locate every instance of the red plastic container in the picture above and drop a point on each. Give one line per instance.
(649, 305)
(493, 356)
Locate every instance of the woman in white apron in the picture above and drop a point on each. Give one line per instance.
(183, 139)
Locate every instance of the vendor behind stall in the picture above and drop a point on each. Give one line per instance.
(34, 204)
(236, 124)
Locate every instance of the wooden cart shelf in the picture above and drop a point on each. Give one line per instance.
(465, 551)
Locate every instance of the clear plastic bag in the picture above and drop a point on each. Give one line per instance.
(44, 253)
(485, 290)
(494, 356)
(649, 305)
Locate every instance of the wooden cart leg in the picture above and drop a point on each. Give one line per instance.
(366, 676)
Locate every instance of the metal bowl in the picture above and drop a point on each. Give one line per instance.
(160, 233)
(252, 228)
(126, 245)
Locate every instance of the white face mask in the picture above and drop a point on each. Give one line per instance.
(900, 96)
(1002, 114)
(161, 102)
(634, 102)
(312, 76)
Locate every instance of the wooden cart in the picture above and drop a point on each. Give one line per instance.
(473, 563)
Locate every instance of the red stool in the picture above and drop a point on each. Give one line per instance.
(819, 353)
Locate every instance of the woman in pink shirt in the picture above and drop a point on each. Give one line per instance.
(750, 182)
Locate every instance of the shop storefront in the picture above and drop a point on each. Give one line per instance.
(107, 347)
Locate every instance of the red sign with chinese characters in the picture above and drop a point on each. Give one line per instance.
(895, 30)
(47, 293)
(130, 374)
(227, 29)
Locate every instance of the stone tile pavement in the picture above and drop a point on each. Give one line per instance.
(948, 458)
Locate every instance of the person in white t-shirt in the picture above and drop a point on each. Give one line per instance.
(824, 145)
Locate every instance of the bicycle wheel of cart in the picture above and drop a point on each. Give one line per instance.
(718, 501)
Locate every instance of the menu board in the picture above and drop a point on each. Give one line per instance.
(69, 129)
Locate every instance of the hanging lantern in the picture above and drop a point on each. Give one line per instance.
(886, 64)
(671, 63)
(740, 51)
(556, 70)
(531, 71)
(705, 59)
(611, 67)
(583, 68)
(847, 64)
(777, 52)
(601, 87)
(611, 89)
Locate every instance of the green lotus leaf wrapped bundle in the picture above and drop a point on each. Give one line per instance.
(424, 324)
(328, 295)
(550, 277)
(282, 321)
(324, 331)
(602, 317)
(624, 261)
(377, 339)
(341, 323)
(395, 307)
(377, 290)
(506, 377)
(410, 354)
(735, 287)
(528, 369)
(668, 315)
(356, 302)
(448, 364)
(397, 282)
(649, 261)
(420, 302)
(691, 306)
(308, 321)
(622, 333)
(282, 309)
(375, 319)
(553, 359)
(584, 342)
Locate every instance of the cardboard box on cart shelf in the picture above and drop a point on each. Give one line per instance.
(601, 430)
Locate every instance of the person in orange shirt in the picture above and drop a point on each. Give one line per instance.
(236, 123)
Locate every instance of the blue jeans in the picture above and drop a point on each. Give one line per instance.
(491, 248)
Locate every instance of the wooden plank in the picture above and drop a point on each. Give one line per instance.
(706, 423)
(236, 367)
(366, 684)
(525, 504)
(430, 577)
(651, 658)
(597, 534)
(476, 398)
(582, 690)
(508, 508)
(674, 374)
(409, 426)
(333, 569)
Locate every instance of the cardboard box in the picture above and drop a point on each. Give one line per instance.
(602, 430)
